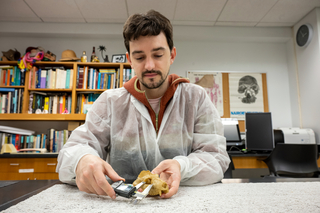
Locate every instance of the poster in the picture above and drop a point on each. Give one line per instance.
(246, 94)
(212, 83)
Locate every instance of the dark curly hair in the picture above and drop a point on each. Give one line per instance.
(150, 24)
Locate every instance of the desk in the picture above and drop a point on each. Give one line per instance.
(251, 161)
(232, 195)
(21, 190)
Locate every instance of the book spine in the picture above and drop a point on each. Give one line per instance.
(38, 78)
(11, 77)
(71, 79)
(54, 75)
(44, 141)
(30, 104)
(15, 103)
(80, 85)
(46, 105)
(85, 78)
(43, 79)
(9, 102)
(23, 74)
(67, 85)
(60, 105)
(19, 101)
(99, 79)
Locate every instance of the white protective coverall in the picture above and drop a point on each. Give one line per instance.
(118, 128)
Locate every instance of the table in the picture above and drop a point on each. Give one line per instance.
(231, 195)
(21, 190)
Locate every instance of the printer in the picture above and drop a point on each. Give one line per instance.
(297, 135)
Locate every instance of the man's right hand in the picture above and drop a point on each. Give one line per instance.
(90, 176)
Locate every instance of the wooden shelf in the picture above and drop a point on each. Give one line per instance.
(51, 90)
(43, 117)
(58, 117)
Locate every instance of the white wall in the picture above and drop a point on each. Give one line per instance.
(198, 48)
(308, 60)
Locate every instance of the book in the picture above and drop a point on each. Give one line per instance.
(54, 76)
(43, 79)
(81, 77)
(22, 78)
(19, 101)
(85, 78)
(60, 105)
(112, 81)
(22, 142)
(63, 79)
(67, 84)
(9, 102)
(55, 105)
(38, 78)
(34, 76)
(6, 89)
(46, 105)
(51, 135)
(99, 79)
(71, 79)
(15, 101)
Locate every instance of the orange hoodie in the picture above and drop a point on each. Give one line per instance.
(133, 88)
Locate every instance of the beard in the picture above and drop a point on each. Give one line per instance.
(153, 84)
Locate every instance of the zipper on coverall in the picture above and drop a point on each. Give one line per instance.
(156, 115)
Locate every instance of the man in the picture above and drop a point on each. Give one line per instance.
(157, 122)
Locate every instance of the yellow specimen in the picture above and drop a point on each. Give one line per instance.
(159, 186)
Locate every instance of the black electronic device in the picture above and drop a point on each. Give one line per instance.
(124, 190)
(259, 132)
(232, 134)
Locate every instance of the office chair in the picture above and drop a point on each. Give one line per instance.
(293, 160)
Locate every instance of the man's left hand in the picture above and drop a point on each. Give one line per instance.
(169, 171)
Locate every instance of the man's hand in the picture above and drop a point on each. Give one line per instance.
(90, 176)
(169, 171)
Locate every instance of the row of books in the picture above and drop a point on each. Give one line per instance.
(50, 78)
(11, 100)
(53, 141)
(127, 74)
(49, 103)
(85, 101)
(90, 78)
(11, 76)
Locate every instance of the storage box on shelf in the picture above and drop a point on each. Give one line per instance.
(72, 116)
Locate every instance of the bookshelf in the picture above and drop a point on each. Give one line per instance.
(31, 166)
(73, 116)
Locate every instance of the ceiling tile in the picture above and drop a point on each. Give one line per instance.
(21, 19)
(235, 23)
(290, 10)
(62, 19)
(16, 8)
(275, 24)
(102, 9)
(246, 10)
(55, 9)
(193, 23)
(200, 10)
(105, 20)
(165, 7)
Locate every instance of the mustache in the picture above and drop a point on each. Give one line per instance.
(151, 71)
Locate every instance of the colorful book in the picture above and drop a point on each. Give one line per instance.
(43, 79)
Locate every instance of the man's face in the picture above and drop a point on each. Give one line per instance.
(150, 57)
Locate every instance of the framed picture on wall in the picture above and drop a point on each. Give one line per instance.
(119, 58)
(211, 81)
